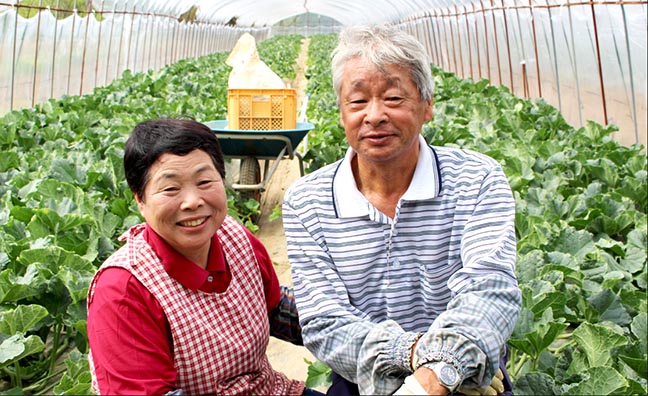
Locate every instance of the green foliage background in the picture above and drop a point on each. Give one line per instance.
(581, 205)
(581, 218)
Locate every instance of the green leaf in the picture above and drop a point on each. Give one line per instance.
(599, 381)
(67, 231)
(21, 319)
(77, 379)
(542, 335)
(9, 160)
(18, 346)
(53, 258)
(610, 307)
(638, 364)
(604, 170)
(635, 253)
(534, 384)
(578, 243)
(319, 374)
(14, 288)
(597, 342)
(639, 329)
(528, 265)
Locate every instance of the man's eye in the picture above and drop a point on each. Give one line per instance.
(205, 182)
(170, 189)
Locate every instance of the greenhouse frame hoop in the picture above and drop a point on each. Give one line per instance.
(472, 39)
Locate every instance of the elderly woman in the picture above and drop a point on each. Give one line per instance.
(187, 305)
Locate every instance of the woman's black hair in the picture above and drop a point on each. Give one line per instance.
(153, 138)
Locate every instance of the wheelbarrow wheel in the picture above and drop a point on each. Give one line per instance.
(250, 173)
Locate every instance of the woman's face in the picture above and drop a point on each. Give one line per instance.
(381, 111)
(185, 202)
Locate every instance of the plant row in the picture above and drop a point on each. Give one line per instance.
(64, 201)
(581, 203)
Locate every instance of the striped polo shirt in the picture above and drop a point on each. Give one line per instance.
(353, 265)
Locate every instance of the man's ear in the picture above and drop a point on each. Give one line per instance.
(429, 112)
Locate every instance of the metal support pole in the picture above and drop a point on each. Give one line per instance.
(54, 41)
(460, 47)
(497, 51)
(96, 74)
(555, 57)
(35, 75)
(535, 49)
(632, 87)
(110, 40)
(575, 66)
(477, 49)
(69, 75)
(488, 67)
(508, 48)
(470, 57)
(13, 58)
(85, 49)
(600, 67)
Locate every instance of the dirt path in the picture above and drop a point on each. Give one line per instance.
(284, 357)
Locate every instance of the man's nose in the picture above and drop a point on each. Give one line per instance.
(375, 112)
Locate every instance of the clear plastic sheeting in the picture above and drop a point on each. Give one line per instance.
(44, 57)
(588, 59)
(268, 12)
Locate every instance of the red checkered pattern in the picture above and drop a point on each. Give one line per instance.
(219, 339)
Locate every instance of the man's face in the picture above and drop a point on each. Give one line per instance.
(381, 112)
(185, 202)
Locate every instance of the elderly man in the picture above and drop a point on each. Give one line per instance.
(402, 254)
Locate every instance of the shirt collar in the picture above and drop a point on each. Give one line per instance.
(425, 184)
(180, 268)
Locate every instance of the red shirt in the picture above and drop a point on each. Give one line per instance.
(127, 329)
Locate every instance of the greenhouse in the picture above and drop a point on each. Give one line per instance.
(555, 92)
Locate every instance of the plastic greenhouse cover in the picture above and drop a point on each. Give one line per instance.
(268, 12)
(587, 59)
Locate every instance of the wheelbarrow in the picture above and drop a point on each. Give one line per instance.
(251, 146)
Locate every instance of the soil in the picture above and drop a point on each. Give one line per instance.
(284, 357)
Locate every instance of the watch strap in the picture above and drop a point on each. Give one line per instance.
(440, 368)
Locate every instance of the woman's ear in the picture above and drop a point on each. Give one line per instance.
(140, 202)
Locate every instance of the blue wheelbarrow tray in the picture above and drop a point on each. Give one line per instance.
(253, 145)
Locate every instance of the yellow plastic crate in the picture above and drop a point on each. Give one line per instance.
(261, 109)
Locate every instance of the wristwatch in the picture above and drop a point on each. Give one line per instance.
(446, 373)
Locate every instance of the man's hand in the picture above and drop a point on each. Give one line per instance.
(423, 382)
(425, 377)
(429, 381)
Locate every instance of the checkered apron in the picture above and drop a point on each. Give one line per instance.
(219, 339)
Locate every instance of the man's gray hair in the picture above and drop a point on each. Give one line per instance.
(383, 45)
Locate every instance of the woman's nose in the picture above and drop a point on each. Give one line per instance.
(191, 199)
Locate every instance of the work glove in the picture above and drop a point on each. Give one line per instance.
(412, 387)
(496, 387)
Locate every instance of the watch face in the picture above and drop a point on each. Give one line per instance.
(448, 375)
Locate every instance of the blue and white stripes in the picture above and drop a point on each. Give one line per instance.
(453, 229)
